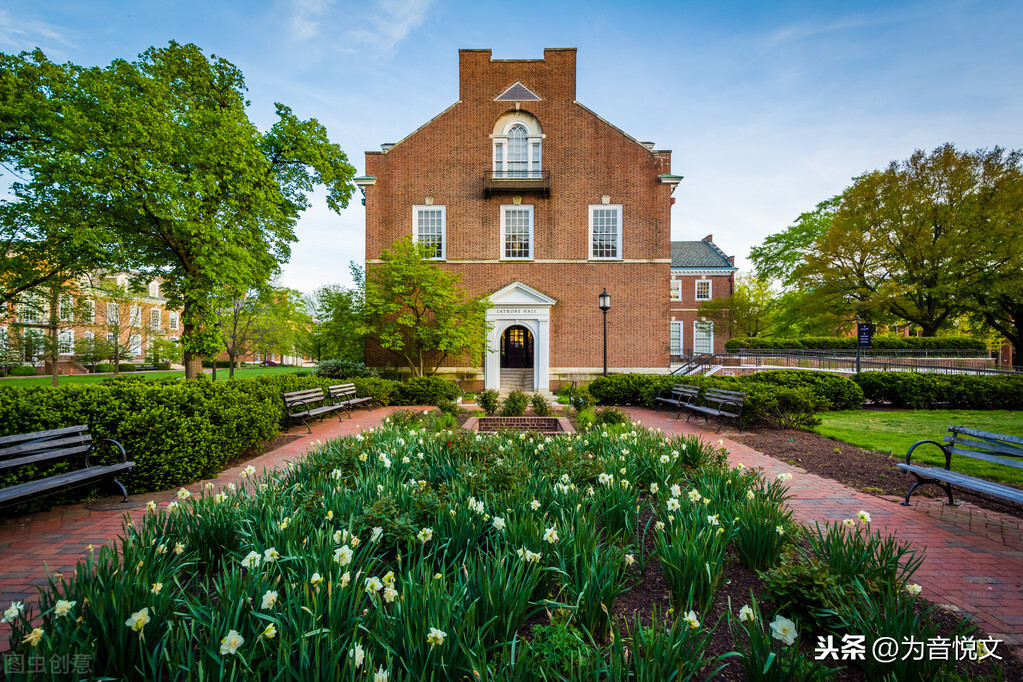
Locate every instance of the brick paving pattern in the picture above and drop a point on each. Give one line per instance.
(973, 561)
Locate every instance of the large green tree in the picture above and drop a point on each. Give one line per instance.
(747, 312)
(161, 150)
(337, 321)
(418, 311)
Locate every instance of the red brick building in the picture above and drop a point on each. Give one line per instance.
(541, 204)
(700, 271)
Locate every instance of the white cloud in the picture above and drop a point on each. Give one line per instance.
(391, 22)
(17, 33)
(306, 15)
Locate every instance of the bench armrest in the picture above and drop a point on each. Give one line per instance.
(944, 450)
(124, 455)
(304, 403)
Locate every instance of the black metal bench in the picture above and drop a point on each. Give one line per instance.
(40, 447)
(997, 448)
(305, 405)
(716, 402)
(680, 396)
(346, 397)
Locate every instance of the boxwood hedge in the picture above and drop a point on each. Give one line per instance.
(849, 342)
(929, 390)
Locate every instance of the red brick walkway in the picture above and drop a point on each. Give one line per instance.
(55, 540)
(965, 570)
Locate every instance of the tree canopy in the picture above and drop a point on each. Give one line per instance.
(159, 158)
(417, 310)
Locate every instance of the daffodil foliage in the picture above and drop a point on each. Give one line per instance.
(405, 553)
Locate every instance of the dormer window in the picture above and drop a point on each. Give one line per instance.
(518, 146)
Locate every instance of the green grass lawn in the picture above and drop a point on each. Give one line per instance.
(897, 430)
(222, 375)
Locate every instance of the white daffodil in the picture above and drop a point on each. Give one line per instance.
(171, 506)
(673, 504)
(381, 675)
(784, 629)
(659, 526)
(270, 555)
(270, 631)
(373, 585)
(695, 496)
(377, 532)
(534, 505)
(499, 522)
(156, 588)
(230, 644)
(150, 506)
(713, 520)
(269, 600)
(848, 523)
(179, 548)
(551, 535)
(343, 555)
(750, 494)
(746, 613)
(316, 579)
(358, 655)
(605, 479)
(138, 620)
(676, 490)
(665, 459)
(630, 559)
(784, 478)
(390, 594)
(913, 589)
(780, 530)
(63, 607)
(183, 494)
(251, 560)
(436, 637)
(33, 638)
(425, 535)
(863, 516)
(345, 579)
(653, 488)
(691, 621)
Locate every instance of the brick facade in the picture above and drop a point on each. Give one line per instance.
(588, 162)
(694, 262)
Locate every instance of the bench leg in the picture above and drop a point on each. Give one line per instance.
(124, 491)
(948, 491)
(306, 424)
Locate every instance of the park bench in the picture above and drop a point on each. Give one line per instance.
(40, 447)
(145, 368)
(305, 405)
(716, 402)
(345, 397)
(679, 396)
(997, 448)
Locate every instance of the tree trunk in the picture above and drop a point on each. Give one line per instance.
(231, 364)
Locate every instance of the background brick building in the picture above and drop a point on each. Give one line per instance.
(700, 271)
(541, 204)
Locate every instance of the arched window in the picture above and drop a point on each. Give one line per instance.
(518, 144)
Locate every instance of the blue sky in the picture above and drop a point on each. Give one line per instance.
(769, 107)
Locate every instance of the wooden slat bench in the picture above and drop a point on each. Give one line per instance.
(997, 448)
(41, 447)
(716, 402)
(345, 396)
(305, 405)
(681, 396)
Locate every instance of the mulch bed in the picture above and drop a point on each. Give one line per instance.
(866, 470)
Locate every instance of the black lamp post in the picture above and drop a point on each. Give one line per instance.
(605, 305)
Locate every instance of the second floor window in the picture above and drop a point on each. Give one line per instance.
(154, 318)
(136, 316)
(31, 309)
(428, 228)
(66, 342)
(172, 319)
(113, 314)
(703, 290)
(518, 147)
(676, 290)
(67, 308)
(517, 232)
(606, 231)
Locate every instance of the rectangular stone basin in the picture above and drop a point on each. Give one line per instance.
(547, 425)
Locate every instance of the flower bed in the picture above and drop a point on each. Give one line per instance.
(402, 554)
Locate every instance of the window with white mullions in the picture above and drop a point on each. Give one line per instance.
(703, 290)
(66, 342)
(429, 229)
(518, 152)
(517, 232)
(518, 146)
(676, 290)
(605, 232)
(676, 338)
(703, 337)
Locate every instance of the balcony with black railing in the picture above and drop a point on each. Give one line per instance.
(516, 182)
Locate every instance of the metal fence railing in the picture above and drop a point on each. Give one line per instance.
(889, 361)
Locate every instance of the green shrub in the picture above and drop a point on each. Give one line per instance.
(488, 401)
(221, 364)
(559, 650)
(104, 367)
(928, 390)
(515, 404)
(805, 588)
(586, 418)
(842, 392)
(541, 406)
(581, 399)
(448, 406)
(849, 343)
(611, 415)
(127, 367)
(425, 391)
(344, 369)
(22, 371)
(162, 365)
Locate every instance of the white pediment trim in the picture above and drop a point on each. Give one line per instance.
(518, 294)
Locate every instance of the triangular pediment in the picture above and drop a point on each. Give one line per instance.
(517, 93)
(518, 294)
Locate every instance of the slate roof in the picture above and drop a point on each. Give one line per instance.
(698, 255)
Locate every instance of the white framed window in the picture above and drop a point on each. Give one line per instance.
(675, 337)
(517, 232)
(154, 318)
(172, 319)
(518, 147)
(110, 338)
(429, 226)
(676, 290)
(66, 311)
(703, 337)
(703, 290)
(88, 336)
(31, 309)
(154, 290)
(3, 338)
(113, 313)
(606, 232)
(34, 345)
(134, 345)
(66, 342)
(90, 310)
(135, 316)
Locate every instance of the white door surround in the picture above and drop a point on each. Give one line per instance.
(518, 304)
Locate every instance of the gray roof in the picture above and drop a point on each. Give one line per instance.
(700, 254)
(517, 93)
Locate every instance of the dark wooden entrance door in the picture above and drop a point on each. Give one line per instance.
(516, 348)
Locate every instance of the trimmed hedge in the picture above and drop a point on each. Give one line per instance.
(336, 368)
(781, 399)
(425, 391)
(176, 431)
(104, 367)
(927, 390)
(849, 343)
(22, 371)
